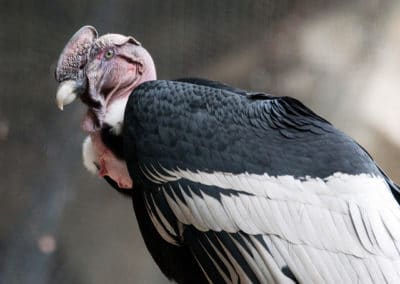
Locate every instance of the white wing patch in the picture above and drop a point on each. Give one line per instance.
(342, 229)
(163, 227)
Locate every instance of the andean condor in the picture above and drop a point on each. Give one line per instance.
(228, 185)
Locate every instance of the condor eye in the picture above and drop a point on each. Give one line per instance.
(109, 54)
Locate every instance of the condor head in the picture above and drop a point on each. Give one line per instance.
(102, 72)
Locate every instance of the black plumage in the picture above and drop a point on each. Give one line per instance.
(177, 134)
(192, 126)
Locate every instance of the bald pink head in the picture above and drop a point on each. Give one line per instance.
(102, 72)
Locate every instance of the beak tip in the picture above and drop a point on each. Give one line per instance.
(65, 94)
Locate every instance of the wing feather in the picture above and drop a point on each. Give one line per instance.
(234, 278)
(223, 220)
(193, 212)
(315, 242)
(260, 188)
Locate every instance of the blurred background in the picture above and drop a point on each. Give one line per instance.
(58, 223)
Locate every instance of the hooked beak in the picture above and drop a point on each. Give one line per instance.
(69, 70)
(66, 93)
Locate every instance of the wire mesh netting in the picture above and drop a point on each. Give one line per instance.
(59, 224)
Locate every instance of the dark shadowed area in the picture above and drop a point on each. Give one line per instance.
(60, 224)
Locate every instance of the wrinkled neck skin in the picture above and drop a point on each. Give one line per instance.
(115, 107)
(111, 109)
(99, 160)
(94, 150)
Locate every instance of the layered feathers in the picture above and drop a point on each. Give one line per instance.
(243, 187)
